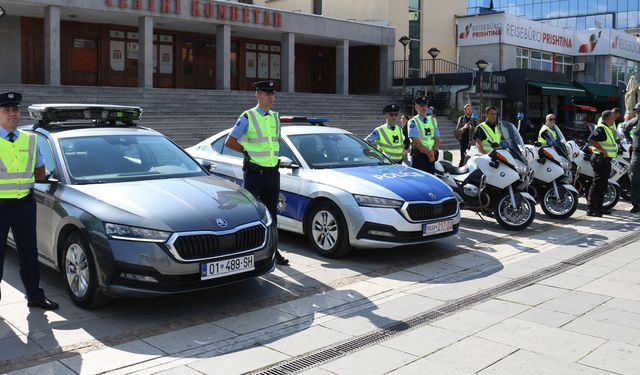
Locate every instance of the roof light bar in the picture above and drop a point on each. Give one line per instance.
(47, 113)
(302, 119)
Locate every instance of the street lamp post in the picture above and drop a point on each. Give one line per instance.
(404, 41)
(482, 65)
(434, 52)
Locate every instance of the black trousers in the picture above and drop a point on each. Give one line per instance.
(421, 162)
(265, 186)
(464, 146)
(634, 174)
(602, 170)
(20, 217)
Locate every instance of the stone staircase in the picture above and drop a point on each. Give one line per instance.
(189, 116)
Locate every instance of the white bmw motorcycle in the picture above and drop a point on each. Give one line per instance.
(494, 184)
(552, 177)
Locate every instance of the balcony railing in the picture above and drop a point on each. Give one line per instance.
(426, 67)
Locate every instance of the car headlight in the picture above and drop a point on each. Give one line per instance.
(520, 167)
(266, 218)
(129, 233)
(369, 201)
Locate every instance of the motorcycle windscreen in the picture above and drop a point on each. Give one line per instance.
(515, 143)
(561, 145)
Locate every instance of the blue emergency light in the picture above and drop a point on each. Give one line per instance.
(520, 115)
(302, 119)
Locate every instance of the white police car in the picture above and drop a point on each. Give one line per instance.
(341, 192)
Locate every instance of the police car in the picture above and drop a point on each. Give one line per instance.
(341, 192)
(126, 212)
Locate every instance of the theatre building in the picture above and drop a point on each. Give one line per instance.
(194, 44)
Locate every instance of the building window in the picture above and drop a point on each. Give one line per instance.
(414, 34)
(563, 64)
(317, 6)
(522, 58)
(541, 61)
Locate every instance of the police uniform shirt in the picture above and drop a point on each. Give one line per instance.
(5, 135)
(480, 135)
(242, 124)
(598, 135)
(374, 136)
(413, 131)
(629, 126)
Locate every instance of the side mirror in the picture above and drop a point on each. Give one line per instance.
(49, 178)
(206, 164)
(285, 162)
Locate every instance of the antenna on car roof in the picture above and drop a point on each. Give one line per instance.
(301, 119)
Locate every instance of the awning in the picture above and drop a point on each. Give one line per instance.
(578, 107)
(559, 89)
(599, 92)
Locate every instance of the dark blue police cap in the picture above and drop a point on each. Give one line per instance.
(266, 86)
(10, 99)
(390, 108)
(422, 100)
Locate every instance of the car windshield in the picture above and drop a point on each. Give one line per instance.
(117, 158)
(336, 150)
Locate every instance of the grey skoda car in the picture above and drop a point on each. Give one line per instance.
(126, 212)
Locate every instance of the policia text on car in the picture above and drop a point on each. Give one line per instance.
(257, 135)
(20, 166)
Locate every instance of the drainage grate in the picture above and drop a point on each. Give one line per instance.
(341, 349)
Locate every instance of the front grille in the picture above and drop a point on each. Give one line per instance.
(212, 245)
(429, 211)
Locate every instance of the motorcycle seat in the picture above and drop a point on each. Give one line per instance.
(452, 169)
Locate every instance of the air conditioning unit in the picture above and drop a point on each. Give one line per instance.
(578, 67)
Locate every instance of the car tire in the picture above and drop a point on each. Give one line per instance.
(327, 230)
(79, 273)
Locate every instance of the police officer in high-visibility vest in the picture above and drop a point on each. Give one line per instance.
(425, 138)
(605, 148)
(548, 132)
(21, 164)
(488, 132)
(388, 137)
(632, 133)
(257, 135)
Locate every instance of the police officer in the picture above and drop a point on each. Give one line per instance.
(257, 135)
(548, 132)
(388, 137)
(425, 138)
(632, 134)
(488, 132)
(605, 148)
(21, 165)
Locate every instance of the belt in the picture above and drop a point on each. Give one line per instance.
(251, 167)
(14, 201)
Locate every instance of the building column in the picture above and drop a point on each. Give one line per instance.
(287, 62)
(223, 57)
(10, 58)
(145, 52)
(52, 45)
(386, 69)
(342, 68)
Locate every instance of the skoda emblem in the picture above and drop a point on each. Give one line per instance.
(222, 223)
(432, 196)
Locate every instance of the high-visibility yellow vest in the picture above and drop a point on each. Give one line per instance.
(610, 145)
(491, 136)
(390, 142)
(262, 138)
(17, 165)
(544, 128)
(426, 131)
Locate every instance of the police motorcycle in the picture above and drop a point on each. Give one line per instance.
(494, 184)
(620, 167)
(552, 184)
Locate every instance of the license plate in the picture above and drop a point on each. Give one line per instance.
(435, 228)
(226, 267)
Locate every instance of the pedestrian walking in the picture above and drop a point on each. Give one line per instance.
(21, 164)
(257, 135)
(605, 148)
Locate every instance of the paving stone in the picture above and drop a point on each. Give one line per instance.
(504, 308)
(371, 361)
(566, 281)
(538, 338)
(470, 260)
(359, 322)
(545, 317)
(398, 279)
(433, 270)
(309, 305)
(51, 368)
(180, 370)
(575, 302)
(187, 338)
(317, 371)
(116, 357)
(524, 362)
(472, 354)
(623, 305)
(238, 362)
(533, 295)
(424, 340)
(426, 366)
(17, 347)
(604, 330)
(609, 260)
(74, 333)
(407, 306)
(613, 289)
(469, 321)
(254, 320)
(312, 338)
(449, 290)
(587, 270)
(617, 317)
(616, 357)
(624, 277)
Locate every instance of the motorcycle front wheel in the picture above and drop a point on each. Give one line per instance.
(514, 218)
(559, 208)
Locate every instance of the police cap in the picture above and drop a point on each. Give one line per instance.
(636, 108)
(266, 86)
(10, 99)
(390, 108)
(422, 100)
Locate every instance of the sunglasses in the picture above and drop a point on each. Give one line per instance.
(392, 114)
